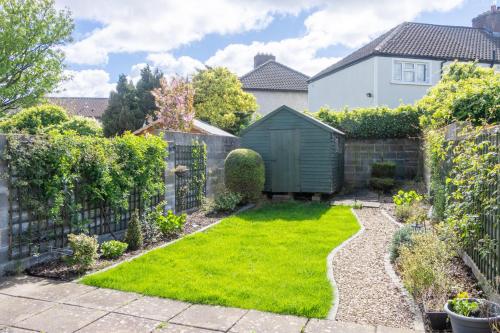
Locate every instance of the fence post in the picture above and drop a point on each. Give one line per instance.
(170, 177)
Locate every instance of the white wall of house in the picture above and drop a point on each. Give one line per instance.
(347, 87)
(269, 101)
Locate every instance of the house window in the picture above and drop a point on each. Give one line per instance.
(410, 72)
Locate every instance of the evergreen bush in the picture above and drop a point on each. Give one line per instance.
(133, 236)
(113, 249)
(84, 250)
(244, 174)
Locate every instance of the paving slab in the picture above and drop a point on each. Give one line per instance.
(330, 326)
(154, 308)
(61, 318)
(119, 323)
(14, 309)
(43, 289)
(173, 328)
(14, 330)
(384, 329)
(257, 321)
(209, 317)
(103, 299)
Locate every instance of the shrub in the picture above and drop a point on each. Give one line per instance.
(424, 264)
(171, 224)
(150, 230)
(34, 120)
(226, 201)
(384, 169)
(244, 174)
(113, 249)
(374, 123)
(406, 198)
(84, 250)
(465, 92)
(133, 237)
(382, 184)
(401, 237)
(403, 212)
(79, 125)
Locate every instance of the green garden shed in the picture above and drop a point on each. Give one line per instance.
(301, 154)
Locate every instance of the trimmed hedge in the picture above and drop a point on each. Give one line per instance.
(384, 169)
(374, 123)
(244, 173)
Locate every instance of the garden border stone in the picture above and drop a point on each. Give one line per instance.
(329, 264)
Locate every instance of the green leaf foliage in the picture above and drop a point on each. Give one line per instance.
(84, 250)
(466, 92)
(79, 125)
(374, 123)
(244, 174)
(34, 120)
(31, 62)
(54, 170)
(219, 99)
(133, 237)
(384, 169)
(113, 249)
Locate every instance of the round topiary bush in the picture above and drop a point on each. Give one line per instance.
(244, 173)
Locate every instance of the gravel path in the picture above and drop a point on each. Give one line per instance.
(367, 293)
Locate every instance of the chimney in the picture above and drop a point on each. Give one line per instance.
(489, 21)
(261, 58)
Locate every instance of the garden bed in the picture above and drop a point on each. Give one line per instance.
(272, 259)
(59, 269)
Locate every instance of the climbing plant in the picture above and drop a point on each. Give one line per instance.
(199, 177)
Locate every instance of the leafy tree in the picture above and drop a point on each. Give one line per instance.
(149, 81)
(174, 100)
(79, 125)
(123, 113)
(31, 64)
(34, 120)
(220, 100)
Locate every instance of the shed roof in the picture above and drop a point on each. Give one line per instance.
(304, 116)
(198, 127)
(422, 40)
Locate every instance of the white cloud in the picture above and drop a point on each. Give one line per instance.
(85, 83)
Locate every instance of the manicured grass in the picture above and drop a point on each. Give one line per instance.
(271, 259)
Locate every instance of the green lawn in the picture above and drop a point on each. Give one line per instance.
(271, 259)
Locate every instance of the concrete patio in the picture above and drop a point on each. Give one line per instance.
(30, 304)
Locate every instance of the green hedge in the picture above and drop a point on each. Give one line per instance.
(374, 123)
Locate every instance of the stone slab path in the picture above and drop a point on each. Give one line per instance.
(30, 304)
(368, 292)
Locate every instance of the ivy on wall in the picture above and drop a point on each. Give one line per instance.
(199, 157)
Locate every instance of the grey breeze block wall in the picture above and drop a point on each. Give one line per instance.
(360, 154)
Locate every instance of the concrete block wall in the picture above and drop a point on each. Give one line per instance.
(4, 205)
(360, 154)
(218, 147)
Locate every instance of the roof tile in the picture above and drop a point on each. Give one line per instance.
(272, 75)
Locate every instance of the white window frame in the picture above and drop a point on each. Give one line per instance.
(415, 62)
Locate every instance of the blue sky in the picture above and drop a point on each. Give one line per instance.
(179, 37)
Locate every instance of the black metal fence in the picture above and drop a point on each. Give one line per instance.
(30, 235)
(189, 167)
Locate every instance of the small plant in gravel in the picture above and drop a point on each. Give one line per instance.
(134, 237)
(227, 201)
(84, 251)
(403, 212)
(113, 249)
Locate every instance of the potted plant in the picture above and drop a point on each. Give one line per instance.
(472, 315)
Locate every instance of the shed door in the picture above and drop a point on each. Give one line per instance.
(285, 149)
